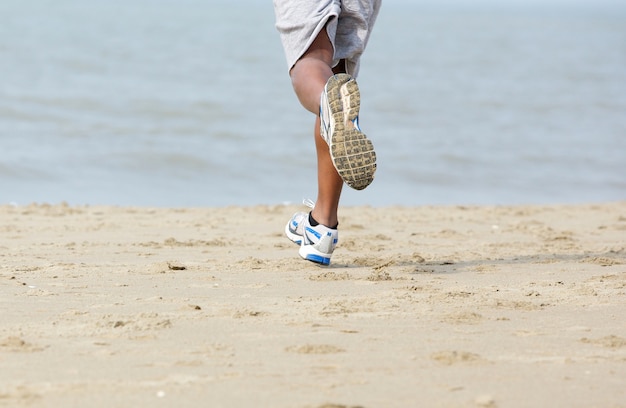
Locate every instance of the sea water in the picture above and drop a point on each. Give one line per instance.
(188, 103)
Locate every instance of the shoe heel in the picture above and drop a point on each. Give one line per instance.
(351, 97)
(321, 252)
(318, 259)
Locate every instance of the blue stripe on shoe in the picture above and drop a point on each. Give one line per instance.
(314, 232)
(318, 259)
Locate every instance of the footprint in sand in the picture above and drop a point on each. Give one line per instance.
(612, 342)
(315, 349)
(18, 345)
(457, 357)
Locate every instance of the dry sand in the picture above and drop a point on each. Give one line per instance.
(514, 306)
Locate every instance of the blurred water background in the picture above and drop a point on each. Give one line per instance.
(188, 103)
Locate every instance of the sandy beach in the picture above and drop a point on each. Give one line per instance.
(504, 306)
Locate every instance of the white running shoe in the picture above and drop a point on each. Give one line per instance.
(316, 243)
(351, 151)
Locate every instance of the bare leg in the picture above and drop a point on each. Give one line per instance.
(309, 76)
(329, 183)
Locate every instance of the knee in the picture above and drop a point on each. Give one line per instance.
(310, 69)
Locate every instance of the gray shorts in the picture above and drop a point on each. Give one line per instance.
(348, 23)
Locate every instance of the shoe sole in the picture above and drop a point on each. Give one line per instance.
(351, 151)
(309, 253)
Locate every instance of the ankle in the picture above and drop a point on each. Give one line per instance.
(330, 222)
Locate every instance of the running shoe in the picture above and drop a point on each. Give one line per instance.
(351, 151)
(318, 243)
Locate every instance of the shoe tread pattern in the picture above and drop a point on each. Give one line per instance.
(351, 151)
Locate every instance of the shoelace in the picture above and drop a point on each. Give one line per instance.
(308, 202)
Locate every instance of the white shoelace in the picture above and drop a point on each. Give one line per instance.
(308, 202)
